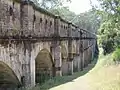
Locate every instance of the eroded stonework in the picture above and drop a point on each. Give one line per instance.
(26, 31)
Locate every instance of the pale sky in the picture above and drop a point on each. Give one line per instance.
(80, 6)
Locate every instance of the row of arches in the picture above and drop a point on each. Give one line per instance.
(45, 65)
(44, 69)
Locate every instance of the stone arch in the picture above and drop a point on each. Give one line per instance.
(64, 52)
(8, 78)
(73, 49)
(43, 65)
(64, 56)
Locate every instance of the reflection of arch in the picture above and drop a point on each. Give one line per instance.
(7, 77)
(64, 53)
(44, 65)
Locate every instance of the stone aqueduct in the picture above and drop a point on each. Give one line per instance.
(32, 40)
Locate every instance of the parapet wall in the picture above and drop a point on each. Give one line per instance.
(24, 19)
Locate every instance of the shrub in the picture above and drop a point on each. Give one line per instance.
(108, 46)
(116, 55)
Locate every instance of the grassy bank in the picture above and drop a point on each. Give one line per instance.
(106, 74)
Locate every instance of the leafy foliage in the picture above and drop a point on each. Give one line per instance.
(116, 55)
(109, 30)
(64, 12)
(89, 20)
(50, 4)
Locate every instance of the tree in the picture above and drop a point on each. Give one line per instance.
(50, 4)
(89, 21)
(110, 28)
(36, 2)
(64, 12)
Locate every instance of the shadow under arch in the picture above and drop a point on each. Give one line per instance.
(8, 79)
(44, 65)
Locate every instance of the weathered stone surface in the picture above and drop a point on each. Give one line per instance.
(26, 31)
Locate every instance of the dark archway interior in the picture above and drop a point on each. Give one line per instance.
(44, 66)
(8, 79)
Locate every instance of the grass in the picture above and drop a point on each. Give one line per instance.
(106, 78)
(105, 75)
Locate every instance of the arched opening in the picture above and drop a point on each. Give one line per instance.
(74, 54)
(64, 55)
(8, 79)
(44, 66)
(64, 52)
(73, 49)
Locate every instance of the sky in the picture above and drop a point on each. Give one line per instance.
(80, 6)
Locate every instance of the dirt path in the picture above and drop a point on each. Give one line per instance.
(80, 83)
(106, 78)
(103, 75)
